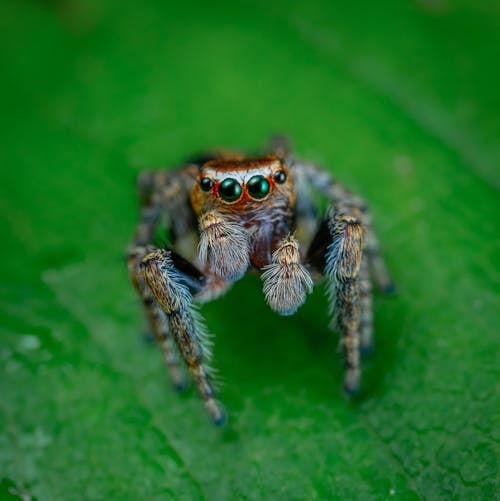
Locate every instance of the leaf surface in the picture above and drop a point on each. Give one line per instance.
(399, 102)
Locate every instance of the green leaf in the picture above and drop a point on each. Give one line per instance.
(399, 100)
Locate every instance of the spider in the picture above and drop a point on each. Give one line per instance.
(227, 214)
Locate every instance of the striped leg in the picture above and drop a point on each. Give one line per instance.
(156, 320)
(166, 283)
(343, 263)
(351, 293)
(169, 350)
(150, 187)
(330, 188)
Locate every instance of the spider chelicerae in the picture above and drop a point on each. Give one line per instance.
(228, 214)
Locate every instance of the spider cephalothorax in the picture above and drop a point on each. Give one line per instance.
(253, 199)
(228, 215)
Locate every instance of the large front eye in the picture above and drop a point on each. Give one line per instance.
(258, 186)
(230, 189)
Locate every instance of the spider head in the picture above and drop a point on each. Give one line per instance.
(242, 185)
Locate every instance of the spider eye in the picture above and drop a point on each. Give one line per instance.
(280, 176)
(206, 184)
(230, 189)
(258, 186)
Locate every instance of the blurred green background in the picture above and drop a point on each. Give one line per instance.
(399, 99)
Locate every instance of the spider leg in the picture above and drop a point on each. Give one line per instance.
(337, 252)
(343, 261)
(334, 191)
(149, 196)
(157, 322)
(152, 186)
(172, 293)
(166, 282)
(347, 226)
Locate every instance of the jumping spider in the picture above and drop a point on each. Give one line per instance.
(227, 214)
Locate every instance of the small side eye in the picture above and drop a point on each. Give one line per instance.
(258, 186)
(280, 176)
(230, 190)
(206, 184)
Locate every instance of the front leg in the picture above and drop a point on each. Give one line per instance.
(343, 257)
(172, 293)
(155, 317)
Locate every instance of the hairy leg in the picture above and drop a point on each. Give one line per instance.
(149, 185)
(172, 294)
(337, 251)
(155, 318)
(334, 191)
(159, 192)
(342, 268)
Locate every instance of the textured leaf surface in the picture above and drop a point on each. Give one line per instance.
(400, 101)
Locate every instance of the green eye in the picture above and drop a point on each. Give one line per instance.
(258, 186)
(230, 189)
(206, 184)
